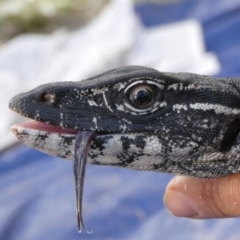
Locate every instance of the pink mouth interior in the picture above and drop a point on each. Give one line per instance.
(47, 128)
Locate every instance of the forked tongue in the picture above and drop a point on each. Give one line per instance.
(82, 142)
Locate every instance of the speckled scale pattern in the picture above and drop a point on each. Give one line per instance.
(185, 131)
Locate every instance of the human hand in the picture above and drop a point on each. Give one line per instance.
(204, 198)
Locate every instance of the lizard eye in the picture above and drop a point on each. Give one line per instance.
(142, 96)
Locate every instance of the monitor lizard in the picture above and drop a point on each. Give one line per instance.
(136, 117)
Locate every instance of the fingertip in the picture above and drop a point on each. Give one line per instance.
(203, 198)
(180, 205)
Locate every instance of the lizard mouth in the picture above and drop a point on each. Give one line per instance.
(32, 124)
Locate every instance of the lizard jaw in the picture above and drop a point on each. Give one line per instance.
(46, 138)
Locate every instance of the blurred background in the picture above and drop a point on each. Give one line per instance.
(48, 40)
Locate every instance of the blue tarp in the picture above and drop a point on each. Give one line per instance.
(221, 25)
(37, 191)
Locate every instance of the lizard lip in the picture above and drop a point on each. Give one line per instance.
(44, 127)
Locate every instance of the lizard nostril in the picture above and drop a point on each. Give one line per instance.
(230, 136)
(47, 98)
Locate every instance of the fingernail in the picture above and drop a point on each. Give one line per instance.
(180, 205)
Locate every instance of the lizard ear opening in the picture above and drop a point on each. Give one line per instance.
(230, 136)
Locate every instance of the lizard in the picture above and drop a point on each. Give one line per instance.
(136, 117)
